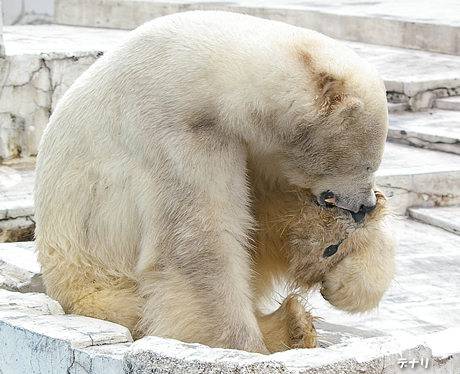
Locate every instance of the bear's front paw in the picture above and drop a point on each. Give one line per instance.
(290, 326)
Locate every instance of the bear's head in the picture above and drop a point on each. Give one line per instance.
(350, 255)
(335, 135)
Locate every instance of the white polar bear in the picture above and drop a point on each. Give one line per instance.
(143, 182)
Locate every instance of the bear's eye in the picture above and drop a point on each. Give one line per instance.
(331, 250)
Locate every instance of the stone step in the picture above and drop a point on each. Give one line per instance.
(447, 218)
(36, 337)
(419, 177)
(436, 129)
(410, 24)
(397, 107)
(19, 269)
(449, 103)
(42, 62)
(16, 200)
(416, 78)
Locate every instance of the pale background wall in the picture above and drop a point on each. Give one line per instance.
(2, 48)
(19, 11)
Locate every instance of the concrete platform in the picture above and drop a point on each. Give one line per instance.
(57, 39)
(19, 269)
(435, 129)
(409, 24)
(36, 339)
(42, 62)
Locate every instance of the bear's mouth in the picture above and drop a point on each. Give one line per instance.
(358, 217)
(330, 199)
(330, 203)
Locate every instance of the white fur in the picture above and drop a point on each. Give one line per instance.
(142, 201)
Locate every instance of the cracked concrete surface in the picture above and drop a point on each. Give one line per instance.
(41, 64)
(59, 343)
(55, 343)
(30, 87)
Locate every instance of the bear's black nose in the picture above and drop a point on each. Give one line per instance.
(367, 209)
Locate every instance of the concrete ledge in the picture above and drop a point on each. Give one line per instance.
(41, 64)
(16, 201)
(36, 339)
(47, 342)
(31, 86)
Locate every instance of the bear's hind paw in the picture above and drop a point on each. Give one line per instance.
(289, 327)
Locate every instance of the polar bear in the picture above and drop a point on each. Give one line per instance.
(146, 172)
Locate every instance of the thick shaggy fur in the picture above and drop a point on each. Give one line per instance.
(292, 247)
(150, 173)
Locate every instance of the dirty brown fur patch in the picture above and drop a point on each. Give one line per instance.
(314, 229)
(331, 89)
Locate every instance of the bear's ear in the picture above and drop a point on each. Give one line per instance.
(335, 99)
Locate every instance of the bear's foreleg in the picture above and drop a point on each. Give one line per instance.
(289, 327)
(200, 304)
(195, 268)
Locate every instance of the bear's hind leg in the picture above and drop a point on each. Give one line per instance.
(289, 327)
(121, 306)
(112, 298)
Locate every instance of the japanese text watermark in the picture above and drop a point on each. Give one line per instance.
(413, 363)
